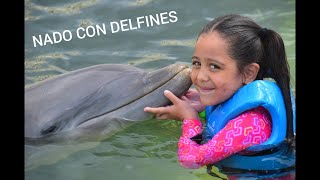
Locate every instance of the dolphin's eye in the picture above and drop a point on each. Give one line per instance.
(50, 130)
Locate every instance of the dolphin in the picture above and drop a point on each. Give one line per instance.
(97, 101)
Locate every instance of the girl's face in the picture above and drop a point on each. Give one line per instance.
(214, 73)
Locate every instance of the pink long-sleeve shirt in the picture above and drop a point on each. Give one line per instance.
(249, 128)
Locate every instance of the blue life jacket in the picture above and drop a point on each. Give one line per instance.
(257, 93)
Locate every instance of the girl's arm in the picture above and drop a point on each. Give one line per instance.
(249, 128)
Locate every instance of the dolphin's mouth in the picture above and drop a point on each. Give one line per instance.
(154, 89)
(183, 68)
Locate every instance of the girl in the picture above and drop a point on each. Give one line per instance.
(242, 78)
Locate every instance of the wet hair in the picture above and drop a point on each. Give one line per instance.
(250, 43)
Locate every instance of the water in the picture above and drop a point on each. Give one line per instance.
(146, 150)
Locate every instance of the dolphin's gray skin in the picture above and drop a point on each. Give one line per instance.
(97, 100)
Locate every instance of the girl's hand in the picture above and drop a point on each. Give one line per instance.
(192, 97)
(179, 110)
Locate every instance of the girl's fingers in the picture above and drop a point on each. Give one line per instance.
(174, 99)
(167, 111)
(162, 116)
(191, 91)
(158, 110)
(184, 98)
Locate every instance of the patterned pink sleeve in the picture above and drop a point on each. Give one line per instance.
(249, 128)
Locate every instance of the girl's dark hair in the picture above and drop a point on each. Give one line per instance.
(250, 43)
